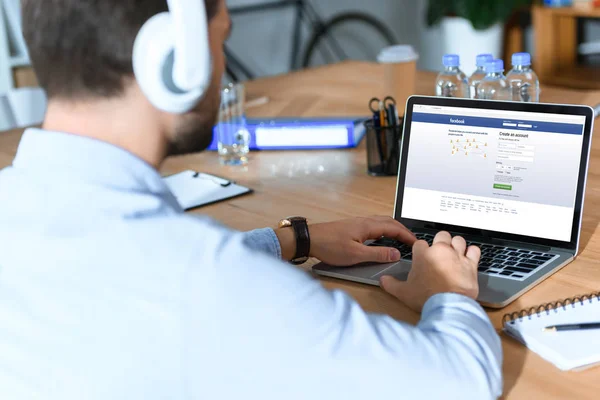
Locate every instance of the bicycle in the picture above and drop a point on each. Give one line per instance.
(344, 36)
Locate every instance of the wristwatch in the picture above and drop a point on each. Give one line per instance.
(300, 227)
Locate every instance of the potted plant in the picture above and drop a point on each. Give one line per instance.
(471, 27)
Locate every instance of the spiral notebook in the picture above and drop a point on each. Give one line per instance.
(194, 189)
(568, 350)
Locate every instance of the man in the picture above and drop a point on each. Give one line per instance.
(109, 291)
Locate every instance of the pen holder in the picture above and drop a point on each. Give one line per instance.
(383, 149)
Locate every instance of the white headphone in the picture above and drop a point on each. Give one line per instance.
(171, 57)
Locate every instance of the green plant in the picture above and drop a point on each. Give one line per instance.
(481, 13)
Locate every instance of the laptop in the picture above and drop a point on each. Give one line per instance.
(508, 177)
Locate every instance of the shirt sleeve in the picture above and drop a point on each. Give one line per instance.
(256, 327)
(264, 240)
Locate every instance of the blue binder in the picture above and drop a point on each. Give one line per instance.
(302, 133)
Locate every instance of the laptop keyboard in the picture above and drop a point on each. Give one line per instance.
(500, 261)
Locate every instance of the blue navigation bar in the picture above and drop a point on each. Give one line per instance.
(499, 123)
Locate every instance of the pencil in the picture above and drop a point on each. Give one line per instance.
(259, 101)
(384, 124)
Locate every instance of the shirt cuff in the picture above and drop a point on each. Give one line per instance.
(452, 300)
(264, 240)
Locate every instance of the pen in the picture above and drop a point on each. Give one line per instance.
(382, 116)
(376, 121)
(390, 133)
(377, 131)
(391, 115)
(259, 101)
(396, 133)
(383, 121)
(572, 327)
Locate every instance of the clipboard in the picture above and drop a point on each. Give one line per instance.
(194, 189)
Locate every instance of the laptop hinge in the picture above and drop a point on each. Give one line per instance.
(563, 250)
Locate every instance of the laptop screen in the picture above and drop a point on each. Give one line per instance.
(497, 170)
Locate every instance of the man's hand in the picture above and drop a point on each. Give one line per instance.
(340, 243)
(445, 267)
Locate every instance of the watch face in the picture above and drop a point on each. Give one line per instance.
(287, 222)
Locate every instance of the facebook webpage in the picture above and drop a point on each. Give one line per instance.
(507, 171)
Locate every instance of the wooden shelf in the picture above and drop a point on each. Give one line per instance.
(578, 77)
(575, 12)
(555, 59)
(578, 12)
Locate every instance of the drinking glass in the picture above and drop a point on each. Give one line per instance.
(233, 136)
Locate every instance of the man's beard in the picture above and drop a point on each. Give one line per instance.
(194, 131)
(193, 134)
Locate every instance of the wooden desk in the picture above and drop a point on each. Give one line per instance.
(328, 185)
(555, 59)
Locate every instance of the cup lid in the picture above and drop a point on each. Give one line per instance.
(397, 54)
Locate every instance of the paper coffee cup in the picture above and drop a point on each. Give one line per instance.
(399, 73)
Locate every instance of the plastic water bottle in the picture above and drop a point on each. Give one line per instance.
(479, 74)
(524, 83)
(451, 82)
(494, 86)
(558, 3)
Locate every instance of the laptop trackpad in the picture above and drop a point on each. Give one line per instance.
(366, 272)
(398, 270)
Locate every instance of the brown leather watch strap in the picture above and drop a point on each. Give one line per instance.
(300, 227)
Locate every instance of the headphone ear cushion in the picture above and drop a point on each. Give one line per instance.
(153, 57)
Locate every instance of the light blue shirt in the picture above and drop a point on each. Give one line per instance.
(109, 291)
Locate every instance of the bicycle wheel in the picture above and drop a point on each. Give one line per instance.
(347, 36)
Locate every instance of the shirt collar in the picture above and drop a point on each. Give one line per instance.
(89, 159)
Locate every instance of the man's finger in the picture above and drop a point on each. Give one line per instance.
(459, 244)
(396, 288)
(389, 228)
(419, 250)
(376, 254)
(419, 247)
(443, 237)
(474, 253)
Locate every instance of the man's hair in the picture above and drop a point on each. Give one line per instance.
(83, 48)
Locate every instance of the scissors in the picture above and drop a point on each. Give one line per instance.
(387, 101)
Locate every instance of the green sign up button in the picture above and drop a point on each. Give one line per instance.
(502, 187)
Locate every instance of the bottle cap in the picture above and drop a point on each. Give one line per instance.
(494, 66)
(398, 54)
(451, 60)
(521, 59)
(482, 59)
